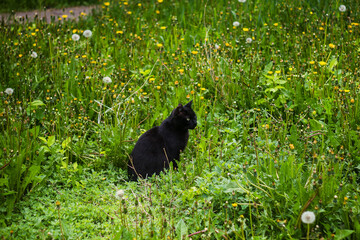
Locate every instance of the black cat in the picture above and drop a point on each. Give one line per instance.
(161, 145)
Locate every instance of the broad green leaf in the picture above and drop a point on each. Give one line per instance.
(66, 142)
(43, 139)
(51, 141)
(181, 228)
(343, 233)
(36, 103)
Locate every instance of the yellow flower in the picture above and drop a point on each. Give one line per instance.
(119, 32)
(160, 1)
(312, 62)
(322, 63)
(194, 52)
(159, 45)
(278, 71)
(352, 100)
(245, 29)
(157, 12)
(234, 204)
(64, 16)
(181, 70)
(162, 28)
(331, 45)
(129, 12)
(107, 3)
(158, 87)
(20, 55)
(276, 24)
(176, 82)
(291, 146)
(270, 72)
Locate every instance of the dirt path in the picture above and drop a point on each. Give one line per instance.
(71, 13)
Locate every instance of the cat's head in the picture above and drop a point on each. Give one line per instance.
(184, 116)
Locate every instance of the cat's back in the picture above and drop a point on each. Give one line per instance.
(148, 141)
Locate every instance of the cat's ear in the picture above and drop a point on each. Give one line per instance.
(188, 104)
(178, 109)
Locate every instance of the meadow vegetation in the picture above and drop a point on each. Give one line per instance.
(275, 86)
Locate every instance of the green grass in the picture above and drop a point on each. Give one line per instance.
(278, 121)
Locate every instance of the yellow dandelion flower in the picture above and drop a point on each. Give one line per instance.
(129, 12)
(352, 100)
(176, 82)
(276, 24)
(159, 45)
(107, 3)
(157, 12)
(194, 52)
(163, 28)
(160, 1)
(234, 204)
(291, 146)
(322, 63)
(312, 62)
(64, 16)
(278, 71)
(270, 72)
(331, 45)
(158, 87)
(245, 29)
(181, 70)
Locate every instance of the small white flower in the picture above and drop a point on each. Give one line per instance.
(242, 1)
(236, 24)
(342, 8)
(308, 217)
(75, 37)
(9, 91)
(119, 194)
(107, 80)
(217, 46)
(34, 55)
(87, 33)
(248, 40)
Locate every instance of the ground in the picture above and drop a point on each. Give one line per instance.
(71, 13)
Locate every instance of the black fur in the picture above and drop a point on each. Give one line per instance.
(162, 144)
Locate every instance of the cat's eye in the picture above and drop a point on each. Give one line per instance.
(188, 119)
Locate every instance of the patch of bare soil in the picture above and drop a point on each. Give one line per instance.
(47, 14)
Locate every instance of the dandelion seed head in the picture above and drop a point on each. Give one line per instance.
(75, 37)
(107, 80)
(248, 40)
(342, 8)
(34, 55)
(87, 33)
(242, 1)
(236, 24)
(9, 91)
(308, 217)
(119, 194)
